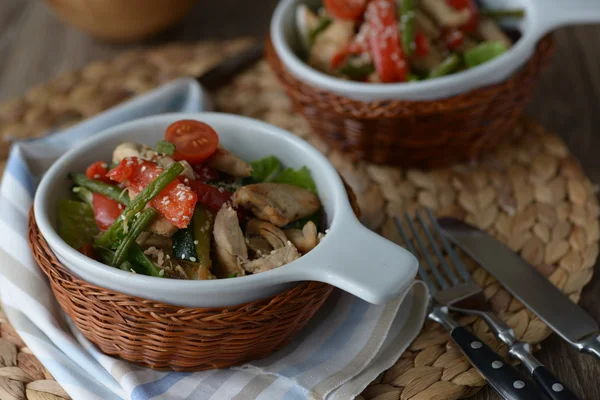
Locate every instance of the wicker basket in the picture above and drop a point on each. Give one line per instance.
(415, 133)
(166, 337)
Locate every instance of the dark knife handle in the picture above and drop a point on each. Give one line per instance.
(503, 377)
(551, 385)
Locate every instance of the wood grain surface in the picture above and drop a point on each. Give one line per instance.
(35, 46)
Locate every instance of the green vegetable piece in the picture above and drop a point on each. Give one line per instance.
(110, 238)
(233, 275)
(76, 223)
(300, 178)
(500, 14)
(126, 266)
(412, 78)
(84, 194)
(446, 67)
(139, 225)
(406, 13)
(202, 224)
(147, 267)
(483, 53)
(324, 22)
(354, 71)
(164, 147)
(100, 187)
(265, 169)
(183, 245)
(105, 255)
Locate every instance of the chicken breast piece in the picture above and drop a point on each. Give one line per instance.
(306, 239)
(272, 234)
(166, 161)
(225, 161)
(124, 150)
(230, 244)
(277, 203)
(332, 40)
(275, 259)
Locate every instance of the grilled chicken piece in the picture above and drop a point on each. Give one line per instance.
(258, 245)
(275, 259)
(230, 245)
(165, 161)
(306, 239)
(272, 234)
(277, 203)
(162, 226)
(332, 40)
(124, 150)
(149, 239)
(444, 14)
(225, 161)
(489, 30)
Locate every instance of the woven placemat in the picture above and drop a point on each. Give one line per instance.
(531, 193)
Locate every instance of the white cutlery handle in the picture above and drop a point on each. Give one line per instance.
(552, 14)
(359, 261)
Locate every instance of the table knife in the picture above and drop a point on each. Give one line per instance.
(527, 285)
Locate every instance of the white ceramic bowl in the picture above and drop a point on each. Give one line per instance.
(541, 17)
(350, 257)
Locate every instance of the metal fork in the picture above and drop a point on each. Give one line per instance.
(459, 292)
(502, 376)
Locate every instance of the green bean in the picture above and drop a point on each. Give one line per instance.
(446, 67)
(100, 187)
(138, 256)
(406, 12)
(139, 202)
(202, 224)
(483, 53)
(139, 225)
(84, 194)
(105, 255)
(499, 14)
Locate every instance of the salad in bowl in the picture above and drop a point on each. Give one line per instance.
(188, 208)
(391, 41)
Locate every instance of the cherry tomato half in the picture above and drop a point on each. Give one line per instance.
(421, 45)
(106, 210)
(88, 250)
(194, 141)
(346, 9)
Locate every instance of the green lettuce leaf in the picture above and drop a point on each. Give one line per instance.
(265, 169)
(300, 178)
(76, 223)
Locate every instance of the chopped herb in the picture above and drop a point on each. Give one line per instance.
(164, 147)
(233, 275)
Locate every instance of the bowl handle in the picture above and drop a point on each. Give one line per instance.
(359, 261)
(553, 14)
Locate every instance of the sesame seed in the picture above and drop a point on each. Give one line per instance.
(193, 259)
(195, 242)
(161, 272)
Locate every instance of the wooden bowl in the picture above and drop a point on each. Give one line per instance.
(121, 20)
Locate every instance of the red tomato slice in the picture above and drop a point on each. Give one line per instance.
(210, 196)
(98, 171)
(106, 210)
(346, 9)
(421, 45)
(176, 202)
(453, 38)
(88, 250)
(194, 141)
(471, 25)
(384, 41)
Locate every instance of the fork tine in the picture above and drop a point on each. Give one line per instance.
(422, 273)
(455, 260)
(436, 273)
(449, 273)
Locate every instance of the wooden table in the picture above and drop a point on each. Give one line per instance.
(34, 47)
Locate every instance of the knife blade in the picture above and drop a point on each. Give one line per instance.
(526, 284)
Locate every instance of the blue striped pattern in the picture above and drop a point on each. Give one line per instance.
(88, 374)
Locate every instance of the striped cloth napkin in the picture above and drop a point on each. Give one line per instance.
(342, 349)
